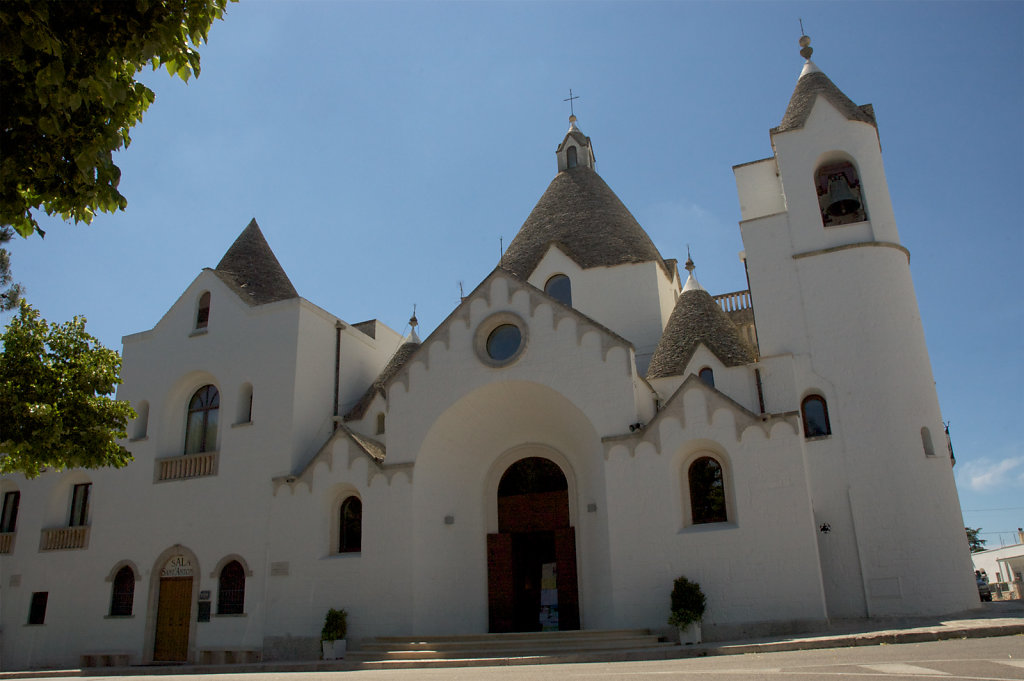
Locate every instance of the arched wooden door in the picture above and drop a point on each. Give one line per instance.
(173, 611)
(531, 560)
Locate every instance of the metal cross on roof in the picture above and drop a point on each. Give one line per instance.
(569, 99)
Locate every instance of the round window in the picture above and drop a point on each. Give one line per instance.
(503, 343)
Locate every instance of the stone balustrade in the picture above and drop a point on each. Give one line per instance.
(187, 466)
(64, 538)
(731, 302)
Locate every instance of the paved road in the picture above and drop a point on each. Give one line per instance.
(983, 659)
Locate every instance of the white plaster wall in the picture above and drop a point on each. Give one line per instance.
(826, 136)
(737, 563)
(457, 473)
(633, 300)
(760, 191)
(577, 359)
(849, 319)
(375, 585)
(361, 359)
(134, 518)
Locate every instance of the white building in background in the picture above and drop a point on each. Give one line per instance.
(583, 414)
(1003, 568)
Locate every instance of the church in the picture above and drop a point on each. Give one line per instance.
(587, 425)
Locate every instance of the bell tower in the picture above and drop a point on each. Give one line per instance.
(842, 344)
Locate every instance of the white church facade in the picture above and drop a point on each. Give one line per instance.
(586, 426)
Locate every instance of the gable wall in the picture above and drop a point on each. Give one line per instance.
(633, 300)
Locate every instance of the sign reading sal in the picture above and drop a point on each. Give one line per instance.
(178, 566)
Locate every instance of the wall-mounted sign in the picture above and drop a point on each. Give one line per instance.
(204, 595)
(204, 612)
(177, 566)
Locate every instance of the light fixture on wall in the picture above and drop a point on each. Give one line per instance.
(825, 528)
(449, 520)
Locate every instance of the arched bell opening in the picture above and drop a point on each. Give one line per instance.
(840, 198)
(532, 558)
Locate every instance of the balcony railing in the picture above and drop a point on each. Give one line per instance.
(6, 541)
(187, 466)
(64, 538)
(737, 300)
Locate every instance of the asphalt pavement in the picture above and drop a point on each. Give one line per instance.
(1001, 618)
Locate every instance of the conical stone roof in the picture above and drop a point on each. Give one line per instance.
(581, 213)
(697, 319)
(251, 269)
(813, 82)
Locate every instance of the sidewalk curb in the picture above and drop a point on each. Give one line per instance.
(889, 637)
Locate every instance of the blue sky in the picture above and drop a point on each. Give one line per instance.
(386, 147)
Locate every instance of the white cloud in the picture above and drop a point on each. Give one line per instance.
(987, 474)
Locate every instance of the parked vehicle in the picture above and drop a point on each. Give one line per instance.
(984, 592)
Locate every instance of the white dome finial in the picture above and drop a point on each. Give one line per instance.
(413, 322)
(691, 281)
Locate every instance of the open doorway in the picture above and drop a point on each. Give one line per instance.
(531, 561)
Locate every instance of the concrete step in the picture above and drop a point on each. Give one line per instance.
(397, 649)
(522, 635)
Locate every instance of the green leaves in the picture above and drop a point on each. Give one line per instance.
(70, 96)
(55, 409)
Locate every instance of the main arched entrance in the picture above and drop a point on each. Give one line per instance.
(531, 560)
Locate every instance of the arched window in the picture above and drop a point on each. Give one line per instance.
(815, 413)
(926, 442)
(570, 157)
(707, 491)
(231, 589)
(350, 526)
(203, 311)
(201, 427)
(839, 194)
(380, 423)
(707, 374)
(123, 595)
(560, 288)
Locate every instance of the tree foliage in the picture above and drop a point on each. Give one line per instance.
(54, 406)
(70, 97)
(973, 540)
(10, 293)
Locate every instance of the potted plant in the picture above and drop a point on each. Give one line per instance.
(688, 605)
(332, 636)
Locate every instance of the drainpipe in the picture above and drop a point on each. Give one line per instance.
(338, 326)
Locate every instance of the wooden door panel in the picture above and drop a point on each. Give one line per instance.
(500, 601)
(568, 588)
(173, 613)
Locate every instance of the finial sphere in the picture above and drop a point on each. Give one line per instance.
(805, 47)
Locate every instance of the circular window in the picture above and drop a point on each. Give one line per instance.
(503, 343)
(501, 339)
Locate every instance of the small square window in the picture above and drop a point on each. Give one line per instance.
(37, 611)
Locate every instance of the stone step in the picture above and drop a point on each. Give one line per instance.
(521, 635)
(484, 653)
(492, 646)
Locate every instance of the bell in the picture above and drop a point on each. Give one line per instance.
(841, 200)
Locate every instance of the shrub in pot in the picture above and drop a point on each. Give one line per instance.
(332, 636)
(688, 604)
